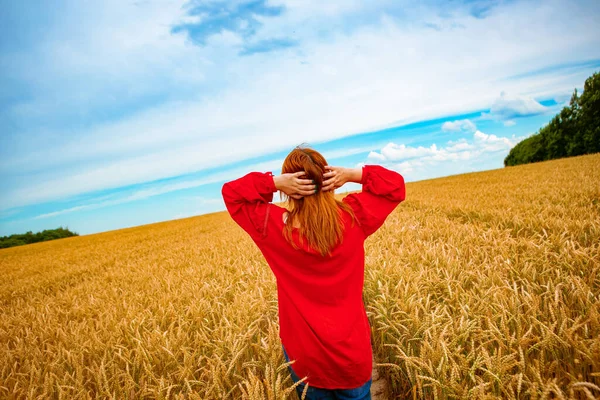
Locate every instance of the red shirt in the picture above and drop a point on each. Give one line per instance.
(322, 319)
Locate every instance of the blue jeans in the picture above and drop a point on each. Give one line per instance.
(314, 393)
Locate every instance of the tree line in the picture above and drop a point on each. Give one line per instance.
(30, 237)
(574, 131)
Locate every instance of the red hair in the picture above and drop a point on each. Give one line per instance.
(319, 215)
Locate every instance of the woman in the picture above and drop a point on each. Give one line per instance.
(315, 249)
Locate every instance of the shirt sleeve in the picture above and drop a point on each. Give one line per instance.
(248, 201)
(382, 191)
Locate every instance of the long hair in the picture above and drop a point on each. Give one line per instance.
(319, 215)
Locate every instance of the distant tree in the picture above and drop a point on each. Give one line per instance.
(30, 237)
(527, 151)
(589, 114)
(574, 131)
(11, 242)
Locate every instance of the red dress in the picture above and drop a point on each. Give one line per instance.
(322, 319)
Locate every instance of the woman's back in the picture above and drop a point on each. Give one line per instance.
(321, 313)
(323, 324)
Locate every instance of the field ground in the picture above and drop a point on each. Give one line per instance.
(484, 285)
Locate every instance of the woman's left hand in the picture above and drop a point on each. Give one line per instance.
(294, 185)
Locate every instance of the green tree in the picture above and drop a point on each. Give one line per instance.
(574, 131)
(30, 237)
(589, 120)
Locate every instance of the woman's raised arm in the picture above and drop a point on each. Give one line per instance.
(382, 191)
(247, 198)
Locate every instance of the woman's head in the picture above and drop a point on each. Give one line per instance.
(317, 216)
(308, 160)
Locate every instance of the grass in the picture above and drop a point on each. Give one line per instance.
(484, 285)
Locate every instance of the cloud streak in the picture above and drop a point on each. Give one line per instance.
(160, 188)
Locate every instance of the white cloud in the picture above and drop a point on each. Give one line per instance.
(460, 145)
(395, 152)
(225, 38)
(492, 143)
(191, 19)
(233, 108)
(507, 107)
(404, 168)
(374, 156)
(483, 151)
(459, 125)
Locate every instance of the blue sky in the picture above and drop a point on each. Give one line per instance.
(115, 114)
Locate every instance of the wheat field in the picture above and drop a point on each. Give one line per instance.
(484, 285)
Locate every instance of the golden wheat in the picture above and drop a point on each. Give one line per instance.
(484, 285)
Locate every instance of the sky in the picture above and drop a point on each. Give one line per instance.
(121, 113)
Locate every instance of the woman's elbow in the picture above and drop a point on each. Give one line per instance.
(228, 193)
(401, 191)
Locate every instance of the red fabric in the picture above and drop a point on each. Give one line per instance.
(323, 324)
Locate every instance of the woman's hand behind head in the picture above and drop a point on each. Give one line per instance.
(295, 185)
(333, 178)
(336, 177)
